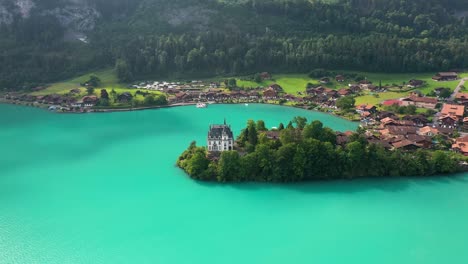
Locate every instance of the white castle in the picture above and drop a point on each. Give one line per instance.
(220, 138)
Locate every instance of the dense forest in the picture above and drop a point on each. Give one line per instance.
(309, 152)
(205, 37)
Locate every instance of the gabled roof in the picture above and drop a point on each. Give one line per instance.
(404, 143)
(450, 109)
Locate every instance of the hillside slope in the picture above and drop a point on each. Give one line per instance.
(46, 40)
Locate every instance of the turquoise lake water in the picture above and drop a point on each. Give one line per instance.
(103, 188)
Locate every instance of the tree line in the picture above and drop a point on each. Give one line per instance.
(141, 39)
(306, 152)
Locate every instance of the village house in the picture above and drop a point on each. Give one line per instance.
(461, 145)
(428, 131)
(344, 92)
(445, 76)
(415, 83)
(270, 94)
(390, 131)
(392, 122)
(453, 110)
(220, 138)
(448, 121)
(461, 98)
(324, 80)
(422, 102)
(272, 134)
(354, 88)
(85, 102)
(125, 97)
(366, 108)
(265, 76)
(340, 78)
(406, 145)
(384, 114)
(418, 120)
(276, 87)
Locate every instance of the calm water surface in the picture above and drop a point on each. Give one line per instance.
(103, 188)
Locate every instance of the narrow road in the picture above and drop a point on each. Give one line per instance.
(457, 90)
(451, 98)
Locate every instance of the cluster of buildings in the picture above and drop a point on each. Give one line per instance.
(176, 86)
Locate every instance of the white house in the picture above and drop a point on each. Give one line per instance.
(220, 138)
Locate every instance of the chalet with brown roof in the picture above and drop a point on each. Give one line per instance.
(449, 121)
(453, 110)
(461, 145)
(428, 131)
(340, 78)
(366, 107)
(465, 124)
(276, 87)
(406, 145)
(331, 93)
(398, 130)
(445, 76)
(384, 114)
(265, 76)
(392, 122)
(270, 93)
(324, 80)
(461, 98)
(418, 120)
(423, 102)
(87, 101)
(341, 139)
(75, 91)
(384, 143)
(344, 92)
(421, 141)
(272, 134)
(415, 83)
(355, 88)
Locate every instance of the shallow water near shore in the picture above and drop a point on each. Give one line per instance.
(103, 188)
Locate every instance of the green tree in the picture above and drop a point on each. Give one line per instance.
(90, 90)
(261, 125)
(252, 133)
(123, 71)
(104, 94)
(229, 166)
(149, 100)
(281, 126)
(346, 103)
(300, 122)
(94, 81)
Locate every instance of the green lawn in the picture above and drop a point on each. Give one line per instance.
(400, 78)
(291, 83)
(373, 100)
(108, 78)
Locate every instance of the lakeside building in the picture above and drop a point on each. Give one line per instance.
(220, 138)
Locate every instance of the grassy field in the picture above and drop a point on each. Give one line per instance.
(108, 78)
(291, 83)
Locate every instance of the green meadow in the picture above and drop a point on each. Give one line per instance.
(291, 83)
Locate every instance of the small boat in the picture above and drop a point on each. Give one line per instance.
(246, 104)
(201, 105)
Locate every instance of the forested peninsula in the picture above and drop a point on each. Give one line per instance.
(304, 151)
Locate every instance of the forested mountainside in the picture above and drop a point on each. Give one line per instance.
(47, 40)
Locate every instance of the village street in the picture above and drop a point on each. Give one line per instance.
(457, 90)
